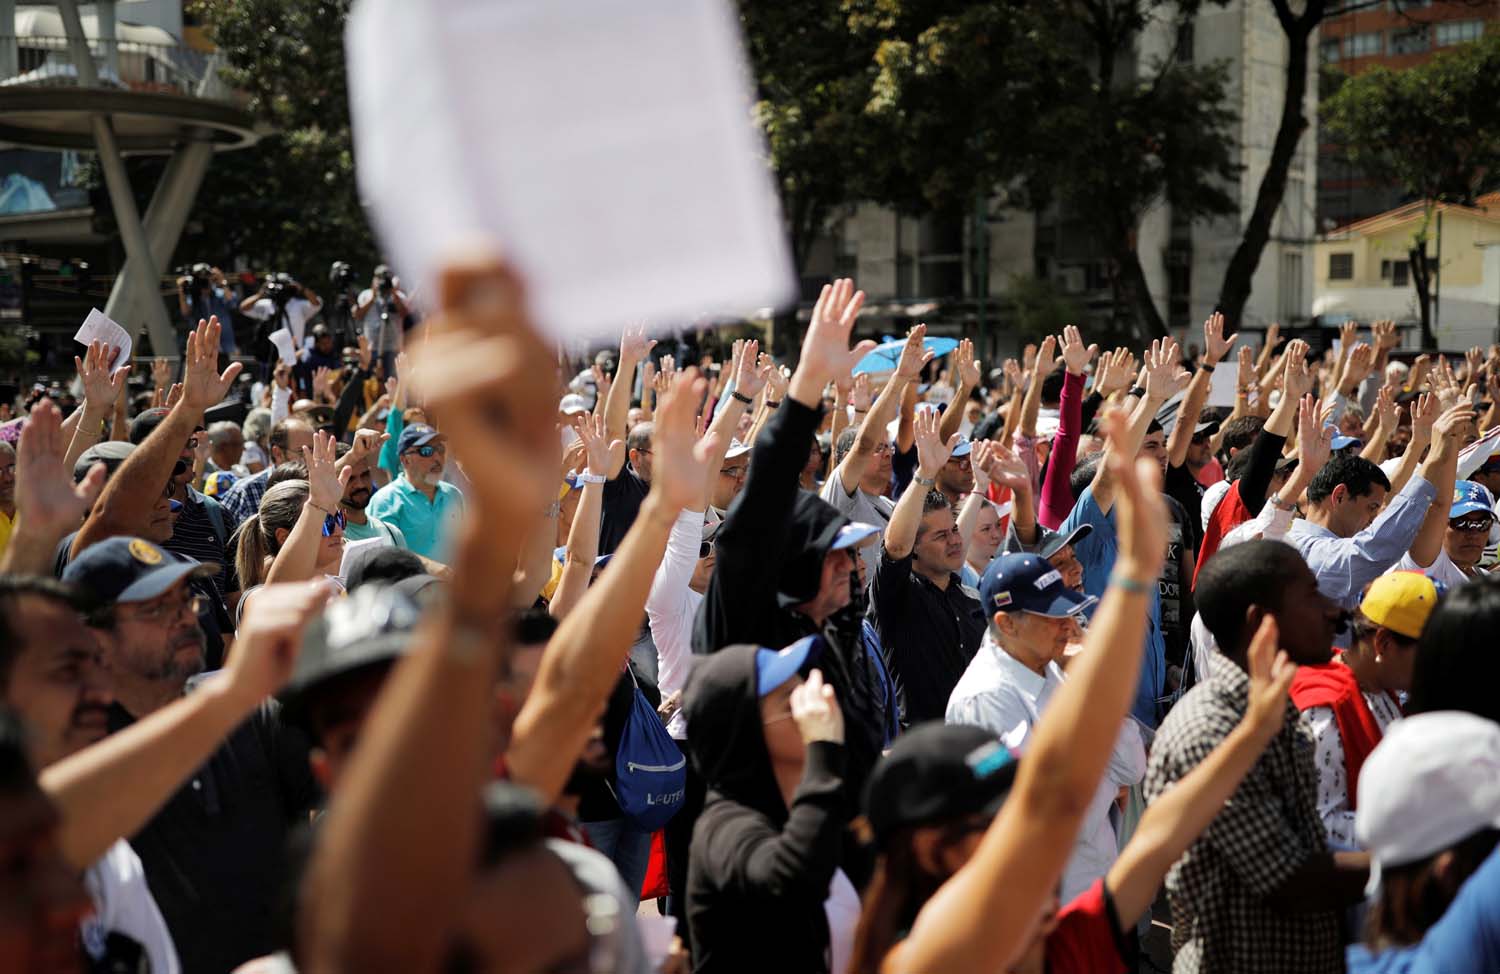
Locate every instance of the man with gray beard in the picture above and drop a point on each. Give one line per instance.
(215, 852)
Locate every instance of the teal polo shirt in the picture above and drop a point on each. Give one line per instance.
(427, 525)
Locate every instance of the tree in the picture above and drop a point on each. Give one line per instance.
(1298, 28)
(974, 95)
(1433, 130)
(290, 202)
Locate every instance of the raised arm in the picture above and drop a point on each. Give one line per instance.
(1215, 347)
(135, 488)
(634, 346)
(982, 458)
(1441, 470)
(1164, 379)
(1176, 819)
(1024, 850)
(965, 381)
(932, 453)
(109, 790)
(103, 383)
(48, 503)
(1424, 413)
(583, 536)
(297, 560)
(583, 659)
(872, 428)
(1056, 497)
(1046, 364)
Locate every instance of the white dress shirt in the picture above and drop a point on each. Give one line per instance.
(671, 608)
(1002, 695)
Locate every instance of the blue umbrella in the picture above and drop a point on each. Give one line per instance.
(885, 356)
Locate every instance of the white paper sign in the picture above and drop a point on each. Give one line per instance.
(98, 327)
(282, 339)
(607, 147)
(1222, 389)
(352, 554)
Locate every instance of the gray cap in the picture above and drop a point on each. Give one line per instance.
(111, 453)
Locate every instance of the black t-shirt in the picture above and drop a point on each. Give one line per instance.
(215, 853)
(1174, 584)
(622, 502)
(1181, 486)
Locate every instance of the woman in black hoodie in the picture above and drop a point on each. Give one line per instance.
(763, 876)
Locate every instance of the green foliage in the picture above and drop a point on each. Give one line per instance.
(290, 202)
(1433, 129)
(1037, 308)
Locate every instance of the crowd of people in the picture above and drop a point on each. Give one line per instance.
(456, 660)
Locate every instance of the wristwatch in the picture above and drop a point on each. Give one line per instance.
(1281, 505)
(924, 481)
(589, 477)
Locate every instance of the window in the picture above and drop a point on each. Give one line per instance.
(1457, 32)
(1362, 45)
(1411, 40)
(1341, 267)
(1186, 40)
(1329, 51)
(1292, 307)
(1400, 273)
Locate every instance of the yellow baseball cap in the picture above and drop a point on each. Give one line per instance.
(1400, 602)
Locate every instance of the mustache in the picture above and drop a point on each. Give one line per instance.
(89, 712)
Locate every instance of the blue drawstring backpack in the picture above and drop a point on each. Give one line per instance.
(650, 770)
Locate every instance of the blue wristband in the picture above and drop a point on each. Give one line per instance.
(1127, 584)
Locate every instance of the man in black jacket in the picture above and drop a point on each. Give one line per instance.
(785, 564)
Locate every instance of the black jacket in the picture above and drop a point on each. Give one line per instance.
(770, 553)
(758, 873)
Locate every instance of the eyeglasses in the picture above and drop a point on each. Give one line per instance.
(1479, 523)
(164, 611)
(884, 449)
(705, 549)
(333, 522)
(428, 450)
(736, 473)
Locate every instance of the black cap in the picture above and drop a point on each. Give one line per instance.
(935, 773)
(126, 569)
(146, 421)
(373, 624)
(1206, 428)
(111, 453)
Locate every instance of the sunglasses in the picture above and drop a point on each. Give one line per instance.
(427, 450)
(1480, 523)
(333, 522)
(704, 548)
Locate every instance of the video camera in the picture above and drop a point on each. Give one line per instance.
(198, 277)
(281, 287)
(341, 276)
(385, 281)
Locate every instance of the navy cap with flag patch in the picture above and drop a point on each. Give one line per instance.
(124, 569)
(1020, 582)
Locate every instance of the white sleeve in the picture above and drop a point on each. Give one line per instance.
(281, 403)
(667, 604)
(1127, 762)
(1270, 524)
(261, 310)
(997, 710)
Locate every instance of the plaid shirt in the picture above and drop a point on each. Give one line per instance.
(1221, 920)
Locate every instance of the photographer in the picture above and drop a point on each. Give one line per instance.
(204, 293)
(381, 311)
(280, 303)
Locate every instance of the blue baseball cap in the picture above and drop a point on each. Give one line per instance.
(130, 570)
(774, 667)
(1469, 497)
(963, 449)
(853, 535)
(415, 435)
(1340, 441)
(1019, 582)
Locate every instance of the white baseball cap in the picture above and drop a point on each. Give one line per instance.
(573, 403)
(736, 449)
(1433, 780)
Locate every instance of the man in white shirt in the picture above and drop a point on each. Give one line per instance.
(381, 311)
(281, 303)
(1470, 518)
(1015, 674)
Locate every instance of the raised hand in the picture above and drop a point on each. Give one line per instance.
(776, 379)
(102, 382)
(1357, 368)
(648, 382)
(161, 373)
(1273, 335)
(1384, 334)
(861, 396)
(666, 375)
(1454, 421)
(1115, 373)
(980, 460)
(320, 378)
(932, 452)
(202, 383)
(270, 637)
(174, 395)
(602, 383)
(1348, 332)
(1245, 374)
(749, 377)
(47, 500)
(1165, 376)
(366, 445)
(1046, 359)
(1007, 470)
(1474, 359)
(825, 347)
(1387, 413)
(1075, 354)
(681, 458)
(1314, 437)
(816, 711)
(281, 374)
(1271, 673)
(1297, 380)
(968, 366)
(1424, 413)
(1215, 345)
(597, 445)
(914, 354)
(1418, 372)
(1012, 370)
(634, 345)
(325, 479)
(1140, 510)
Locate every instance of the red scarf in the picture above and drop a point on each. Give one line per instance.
(1230, 513)
(1333, 685)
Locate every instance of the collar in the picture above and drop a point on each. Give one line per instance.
(1230, 683)
(1303, 526)
(1027, 680)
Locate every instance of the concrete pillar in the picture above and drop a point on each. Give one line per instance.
(104, 12)
(10, 62)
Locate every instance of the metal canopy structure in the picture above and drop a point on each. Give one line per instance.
(116, 90)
